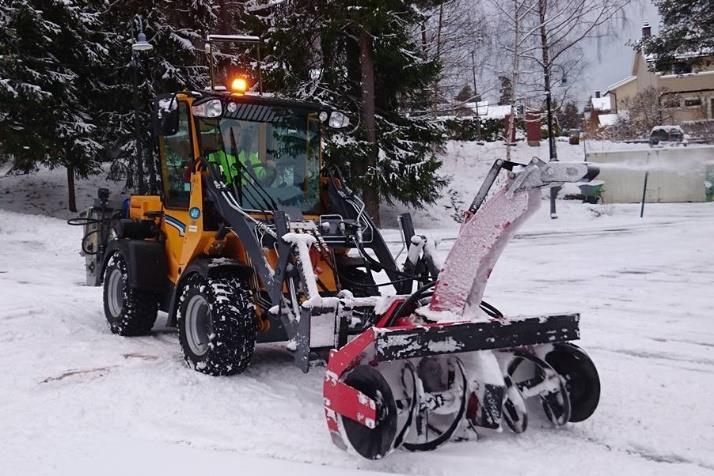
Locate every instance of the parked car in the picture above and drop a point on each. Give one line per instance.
(667, 135)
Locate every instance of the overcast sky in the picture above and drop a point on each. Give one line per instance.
(610, 60)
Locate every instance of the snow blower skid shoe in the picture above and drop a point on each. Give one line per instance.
(440, 362)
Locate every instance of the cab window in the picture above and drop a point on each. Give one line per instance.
(176, 162)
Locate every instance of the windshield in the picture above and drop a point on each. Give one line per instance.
(271, 164)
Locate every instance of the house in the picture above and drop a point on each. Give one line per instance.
(685, 93)
(599, 113)
(483, 110)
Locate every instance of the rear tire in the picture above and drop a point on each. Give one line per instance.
(217, 325)
(129, 311)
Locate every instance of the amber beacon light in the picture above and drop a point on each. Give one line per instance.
(239, 85)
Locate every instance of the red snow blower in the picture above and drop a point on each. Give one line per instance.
(441, 363)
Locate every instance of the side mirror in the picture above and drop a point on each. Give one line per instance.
(165, 117)
(338, 120)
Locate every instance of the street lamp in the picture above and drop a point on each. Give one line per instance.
(141, 45)
(553, 152)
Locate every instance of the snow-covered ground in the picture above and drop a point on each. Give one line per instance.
(75, 399)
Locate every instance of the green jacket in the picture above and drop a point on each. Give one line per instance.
(230, 168)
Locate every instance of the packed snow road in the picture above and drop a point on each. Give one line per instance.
(74, 398)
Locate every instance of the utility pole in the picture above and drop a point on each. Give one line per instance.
(473, 70)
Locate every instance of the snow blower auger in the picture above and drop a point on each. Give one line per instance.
(441, 363)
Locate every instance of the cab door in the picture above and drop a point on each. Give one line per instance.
(176, 153)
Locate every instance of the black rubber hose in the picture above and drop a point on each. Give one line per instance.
(489, 309)
(409, 302)
(83, 221)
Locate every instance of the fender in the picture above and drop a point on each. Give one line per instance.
(147, 256)
(206, 268)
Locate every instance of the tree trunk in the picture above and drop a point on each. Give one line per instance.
(438, 56)
(222, 17)
(514, 77)
(424, 52)
(71, 195)
(151, 169)
(370, 193)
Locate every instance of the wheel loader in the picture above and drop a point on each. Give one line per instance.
(253, 239)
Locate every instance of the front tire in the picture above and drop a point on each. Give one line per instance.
(216, 321)
(129, 311)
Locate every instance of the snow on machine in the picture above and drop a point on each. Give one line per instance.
(252, 239)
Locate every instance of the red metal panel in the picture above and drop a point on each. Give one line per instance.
(533, 134)
(349, 402)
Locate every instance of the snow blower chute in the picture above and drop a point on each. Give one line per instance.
(442, 362)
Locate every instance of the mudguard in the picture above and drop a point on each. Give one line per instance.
(147, 256)
(206, 268)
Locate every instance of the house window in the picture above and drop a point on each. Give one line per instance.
(671, 102)
(681, 68)
(693, 102)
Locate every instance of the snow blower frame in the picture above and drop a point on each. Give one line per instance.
(234, 261)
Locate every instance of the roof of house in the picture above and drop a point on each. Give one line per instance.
(493, 111)
(607, 119)
(621, 82)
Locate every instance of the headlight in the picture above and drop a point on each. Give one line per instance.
(212, 108)
(338, 120)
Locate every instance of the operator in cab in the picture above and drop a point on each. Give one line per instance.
(247, 144)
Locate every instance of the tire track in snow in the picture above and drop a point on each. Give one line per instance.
(654, 355)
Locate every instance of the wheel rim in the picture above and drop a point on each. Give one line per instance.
(198, 325)
(431, 428)
(554, 396)
(116, 294)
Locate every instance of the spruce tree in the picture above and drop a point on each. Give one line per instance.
(360, 57)
(177, 30)
(505, 95)
(465, 94)
(50, 55)
(687, 27)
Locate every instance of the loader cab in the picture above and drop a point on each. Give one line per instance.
(274, 143)
(277, 141)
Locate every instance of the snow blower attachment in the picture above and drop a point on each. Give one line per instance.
(252, 240)
(441, 362)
